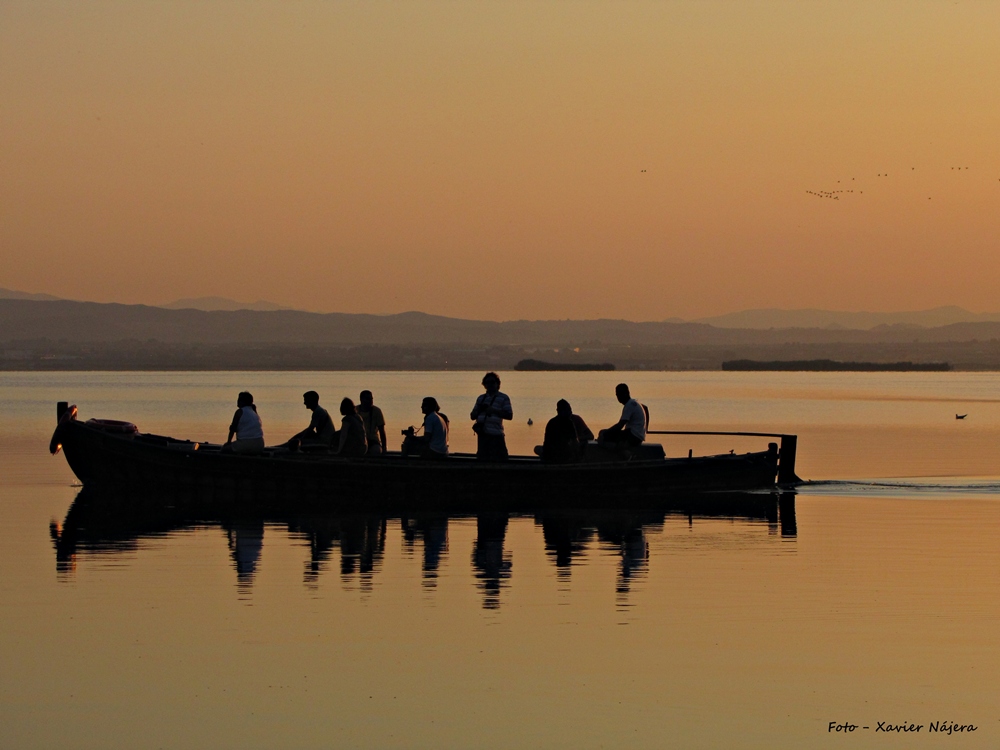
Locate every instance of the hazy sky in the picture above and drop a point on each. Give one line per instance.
(503, 160)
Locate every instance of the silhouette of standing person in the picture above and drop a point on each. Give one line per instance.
(488, 414)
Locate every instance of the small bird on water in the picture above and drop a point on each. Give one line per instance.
(530, 422)
(961, 416)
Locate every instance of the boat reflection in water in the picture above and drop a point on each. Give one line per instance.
(104, 522)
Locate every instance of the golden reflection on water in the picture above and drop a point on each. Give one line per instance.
(430, 631)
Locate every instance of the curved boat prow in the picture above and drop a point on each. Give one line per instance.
(64, 413)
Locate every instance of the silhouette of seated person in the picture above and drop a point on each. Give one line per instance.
(351, 441)
(630, 431)
(374, 422)
(246, 427)
(583, 432)
(563, 440)
(433, 444)
(321, 430)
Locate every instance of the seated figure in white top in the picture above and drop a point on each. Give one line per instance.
(630, 430)
(246, 427)
(433, 444)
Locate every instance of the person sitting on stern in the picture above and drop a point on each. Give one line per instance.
(562, 441)
(352, 432)
(488, 414)
(321, 430)
(246, 426)
(630, 430)
(374, 423)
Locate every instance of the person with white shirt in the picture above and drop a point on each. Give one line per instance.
(488, 414)
(246, 427)
(630, 430)
(433, 444)
(435, 429)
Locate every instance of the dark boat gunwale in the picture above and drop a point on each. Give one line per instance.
(100, 457)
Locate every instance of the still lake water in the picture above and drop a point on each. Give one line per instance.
(881, 603)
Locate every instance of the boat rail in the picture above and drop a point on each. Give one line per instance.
(786, 451)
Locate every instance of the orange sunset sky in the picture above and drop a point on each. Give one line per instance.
(504, 160)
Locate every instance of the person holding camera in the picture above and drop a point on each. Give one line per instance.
(433, 444)
(488, 414)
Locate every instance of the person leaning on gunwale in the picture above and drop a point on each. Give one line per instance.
(321, 430)
(488, 414)
(246, 426)
(352, 440)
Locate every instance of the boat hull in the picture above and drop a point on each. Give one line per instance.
(104, 459)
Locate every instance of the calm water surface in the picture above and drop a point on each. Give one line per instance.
(875, 598)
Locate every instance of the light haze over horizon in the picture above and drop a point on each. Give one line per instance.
(521, 160)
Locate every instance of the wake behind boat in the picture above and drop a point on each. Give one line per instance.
(106, 453)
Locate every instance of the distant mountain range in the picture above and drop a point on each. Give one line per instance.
(811, 318)
(746, 320)
(81, 322)
(222, 303)
(191, 303)
(13, 294)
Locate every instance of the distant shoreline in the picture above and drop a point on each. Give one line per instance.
(829, 365)
(537, 365)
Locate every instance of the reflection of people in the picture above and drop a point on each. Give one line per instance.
(246, 539)
(433, 529)
(488, 414)
(630, 430)
(352, 431)
(321, 430)
(491, 563)
(374, 423)
(562, 442)
(246, 426)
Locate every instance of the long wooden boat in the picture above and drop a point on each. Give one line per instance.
(108, 454)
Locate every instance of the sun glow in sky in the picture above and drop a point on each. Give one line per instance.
(504, 160)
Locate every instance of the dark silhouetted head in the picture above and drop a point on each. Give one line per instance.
(563, 407)
(491, 381)
(366, 398)
(310, 399)
(621, 391)
(429, 405)
(347, 407)
(244, 399)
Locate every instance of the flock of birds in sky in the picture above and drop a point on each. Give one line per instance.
(835, 194)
